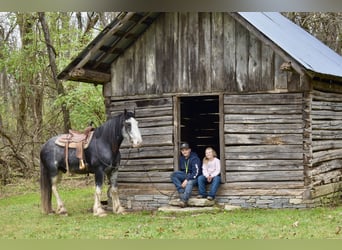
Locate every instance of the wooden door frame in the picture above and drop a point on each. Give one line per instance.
(176, 130)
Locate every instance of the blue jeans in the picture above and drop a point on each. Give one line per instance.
(202, 185)
(177, 178)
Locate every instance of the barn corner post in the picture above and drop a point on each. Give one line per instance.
(307, 135)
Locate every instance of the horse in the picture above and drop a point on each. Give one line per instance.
(102, 157)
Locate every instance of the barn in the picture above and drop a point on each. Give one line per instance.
(255, 86)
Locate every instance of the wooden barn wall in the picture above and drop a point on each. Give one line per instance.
(326, 171)
(264, 143)
(149, 167)
(199, 53)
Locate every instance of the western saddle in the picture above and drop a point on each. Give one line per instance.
(79, 141)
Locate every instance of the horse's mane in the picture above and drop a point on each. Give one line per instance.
(112, 128)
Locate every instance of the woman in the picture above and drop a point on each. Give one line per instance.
(211, 175)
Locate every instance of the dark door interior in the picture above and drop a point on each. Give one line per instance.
(200, 123)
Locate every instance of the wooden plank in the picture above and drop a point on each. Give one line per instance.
(152, 86)
(265, 176)
(328, 177)
(324, 190)
(325, 105)
(161, 130)
(118, 78)
(263, 139)
(325, 167)
(264, 152)
(145, 176)
(217, 51)
(262, 185)
(254, 64)
(264, 129)
(147, 152)
(229, 55)
(326, 96)
(267, 65)
(139, 63)
(162, 164)
(326, 135)
(265, 98)
(263, 109)
(327, 125)
(146, 122)
(326, 115)
(326, 155)
(152, 140)
(193, 52)
(241, 57)
(320, 145)
(263, 165)
(182, 52)
(204, 51)
(268, 118)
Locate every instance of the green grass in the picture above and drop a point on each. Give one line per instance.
(21, 218)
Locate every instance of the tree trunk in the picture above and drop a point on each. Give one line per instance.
(52, 59)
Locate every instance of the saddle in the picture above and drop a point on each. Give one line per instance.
(79, 141)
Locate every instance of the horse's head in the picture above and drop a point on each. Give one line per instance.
(131, 130)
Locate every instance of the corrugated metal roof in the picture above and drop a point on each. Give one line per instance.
(299, 44)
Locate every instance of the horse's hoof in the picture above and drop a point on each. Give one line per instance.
(100, 213)
(120, 210)
(64, 213)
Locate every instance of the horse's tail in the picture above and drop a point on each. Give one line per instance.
(45, 189)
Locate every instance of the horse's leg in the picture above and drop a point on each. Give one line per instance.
(60, 206)
(114, 192)
(97, 208)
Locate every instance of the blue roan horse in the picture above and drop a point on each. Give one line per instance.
(102, 156)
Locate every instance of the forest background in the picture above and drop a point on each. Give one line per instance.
(35, 105)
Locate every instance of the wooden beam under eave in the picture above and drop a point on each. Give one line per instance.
(86, 75)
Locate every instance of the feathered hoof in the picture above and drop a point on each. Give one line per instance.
(62, 211)
(100, 212)
(120, 210)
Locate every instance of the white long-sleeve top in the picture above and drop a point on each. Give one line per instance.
(212, 168)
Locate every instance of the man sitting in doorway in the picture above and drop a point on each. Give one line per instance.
(189, 170)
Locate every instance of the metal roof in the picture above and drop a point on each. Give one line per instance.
(307, 50)
(93, 64)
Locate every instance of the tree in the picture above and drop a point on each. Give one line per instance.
(325, 26)
(53, 66)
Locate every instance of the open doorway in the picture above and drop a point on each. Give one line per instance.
(200, 123)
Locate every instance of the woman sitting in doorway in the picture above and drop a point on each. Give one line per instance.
(211, 175)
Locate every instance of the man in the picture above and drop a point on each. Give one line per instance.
(189, 169)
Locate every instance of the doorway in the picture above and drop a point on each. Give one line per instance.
(200, 123)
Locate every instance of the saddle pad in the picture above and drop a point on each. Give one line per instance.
(63, 139)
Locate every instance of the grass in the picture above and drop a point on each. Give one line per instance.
(21, 218)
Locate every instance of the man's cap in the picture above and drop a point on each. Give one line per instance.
(184, 145)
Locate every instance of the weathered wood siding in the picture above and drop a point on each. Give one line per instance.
(326, 172)
(279, 136)
(154, 161)
(199, 53)
(264, 141)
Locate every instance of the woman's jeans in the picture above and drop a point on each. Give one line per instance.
(177, 178)
(202, 185)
